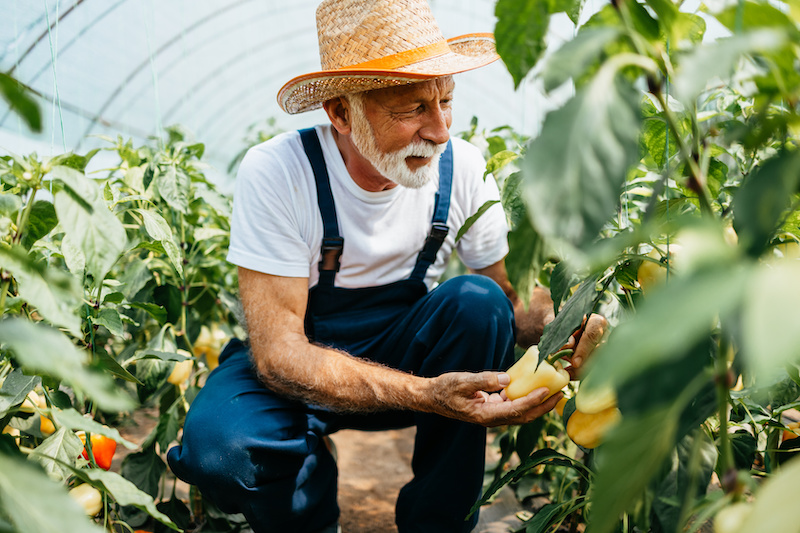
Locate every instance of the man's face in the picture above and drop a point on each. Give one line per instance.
(403, 130)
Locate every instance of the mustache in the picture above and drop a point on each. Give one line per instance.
(421, 148)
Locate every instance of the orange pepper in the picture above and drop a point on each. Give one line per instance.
(103, 449)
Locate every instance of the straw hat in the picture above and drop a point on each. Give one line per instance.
(371, 44)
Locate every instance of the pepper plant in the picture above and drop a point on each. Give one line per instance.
(106, 282)
(679, 152)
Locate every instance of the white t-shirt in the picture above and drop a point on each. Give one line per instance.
(276, 226)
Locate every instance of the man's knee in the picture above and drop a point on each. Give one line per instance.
(476, 301)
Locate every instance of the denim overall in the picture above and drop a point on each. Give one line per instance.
(254, 452)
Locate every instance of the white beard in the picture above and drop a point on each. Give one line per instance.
(392, 165)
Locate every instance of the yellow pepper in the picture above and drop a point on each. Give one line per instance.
(588, 430)
(528, 374)
(182, 370)
(88, 497)
(595, 401)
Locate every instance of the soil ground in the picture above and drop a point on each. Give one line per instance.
(373, 467)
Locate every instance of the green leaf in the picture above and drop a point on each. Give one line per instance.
(14, 390)
(74, 421)
(99, 234)
(144, 469)
(545, 456)
(111, 320)
(771, 318)
(126, 493)
(575, 57)
(499, 161)
(526, 256)
(48, 352)
(653, 142)
(755, 15)
(688, 305)
(693, 462)
(169, 424)
(774, 506)
(474, 218)
(154, 310)
(719, 59)
(56, 295)
(9, 204)
(159, 230)
(173, 186)
(20, 101)
(573, 176)
(558, 332)
(644, 441)
(519, 34)
(61, 448)
(762, 201)
(42, 220)
(34, 503)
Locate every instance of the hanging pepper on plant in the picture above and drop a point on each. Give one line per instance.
(103, 449)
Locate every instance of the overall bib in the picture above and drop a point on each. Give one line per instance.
(254, 452)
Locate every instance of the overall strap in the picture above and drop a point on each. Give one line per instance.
(441, 207)
(332, 242)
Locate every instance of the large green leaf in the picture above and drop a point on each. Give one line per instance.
(762, 202)
(668, 323)
(59, 449)
(573, 58)
(774, 508)
(575, 168)
(644, 441)
(34, 503)
(771, 318)
(47, 351)
(98, 234)
(519, 33)
(56, 295)
(20, 101)
(73, 420)
(718, 60)
(126, 493)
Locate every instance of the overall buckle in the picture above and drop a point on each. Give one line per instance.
(331, 252)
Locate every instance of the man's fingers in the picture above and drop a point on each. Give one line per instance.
(592, 335)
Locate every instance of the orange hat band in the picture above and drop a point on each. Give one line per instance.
(408, 57)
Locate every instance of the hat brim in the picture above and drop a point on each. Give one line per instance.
(309, 91)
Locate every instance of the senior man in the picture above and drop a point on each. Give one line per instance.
(340, 233)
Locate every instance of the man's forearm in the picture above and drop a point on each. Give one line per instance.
(336, 380)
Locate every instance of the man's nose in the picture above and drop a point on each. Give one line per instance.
(436, 127)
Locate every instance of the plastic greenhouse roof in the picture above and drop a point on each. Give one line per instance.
(132, 67)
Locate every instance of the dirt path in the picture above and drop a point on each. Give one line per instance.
(373, 466)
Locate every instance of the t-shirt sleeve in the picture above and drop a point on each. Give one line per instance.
(266, 228)
(486, 242)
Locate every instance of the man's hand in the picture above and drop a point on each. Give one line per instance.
(478, 398)
(588, 337)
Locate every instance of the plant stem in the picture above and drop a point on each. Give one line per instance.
(723, 400)
(24, 215)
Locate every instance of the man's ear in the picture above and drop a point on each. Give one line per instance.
(338, 110)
